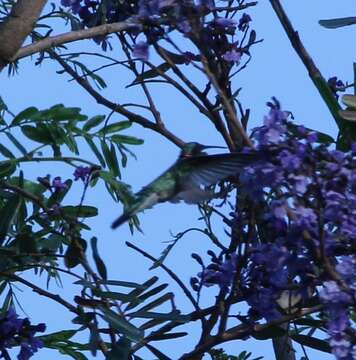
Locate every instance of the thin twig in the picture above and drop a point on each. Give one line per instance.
(169, 272)
(136, 118)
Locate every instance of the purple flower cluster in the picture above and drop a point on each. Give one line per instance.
(83, 173)
(220, 272)
(336, 85)
(155, 19)
(305, 194)
(19, 332)
(58, 184)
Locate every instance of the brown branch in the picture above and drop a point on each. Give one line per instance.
(209, 110)
(43, 292)
(236, 127)
(17, 26)
(314, 73)
(135, 118)
(71, 36)
(24, 193)
(242, 331)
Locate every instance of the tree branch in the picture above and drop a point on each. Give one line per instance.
(135, 118)
(242, 331)
(17, 26)
(71, 36)
(314, 73)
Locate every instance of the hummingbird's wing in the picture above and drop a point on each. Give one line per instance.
(210, 169)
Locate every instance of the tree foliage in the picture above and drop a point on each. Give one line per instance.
(288, 247)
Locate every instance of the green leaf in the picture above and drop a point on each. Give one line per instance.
(147, 294)
(28, 185)
(153, 304)
(269, 333)
(115, 127)
(116, 296)
(100, 265)
(309, 322)
(172, 316)
(107, 154)
(151, 323)
(336, 23)
(74, 254)
(59, 113)
(52, 243)
(8, 214)
(322, 137)
(69, 140)
(95, 150)
(79, 211)
(164, 254)
(312, 342)
(7, 168)
(94, 121)
(109, 282)
(24, 114)
(144, 286)
(157, 353)
(57, 336)
(122, 190)
(168, 336)
(122, 325)
(124, 139)
(151, 74)
(95, 77)
(19, 146)
(6, 152)
(120, 350)
(38, 134)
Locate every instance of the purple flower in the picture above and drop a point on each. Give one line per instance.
(312, 137)
(332, 294)
(339, 323)
(232, 56)
(82, 173)
(73, 4)
(15, 331)
(58, 185)
(263, 301)
(289, 161)
(244, 22)
(184, 26)
(306, 218)
(140, 51)
(336, 85)
(274, 129)
(341, 348)
(220, 274)
(347, 268)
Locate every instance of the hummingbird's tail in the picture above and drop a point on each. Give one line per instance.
(120, 220)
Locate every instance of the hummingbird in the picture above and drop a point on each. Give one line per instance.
(187, 178)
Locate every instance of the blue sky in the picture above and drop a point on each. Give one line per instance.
(274, 71)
